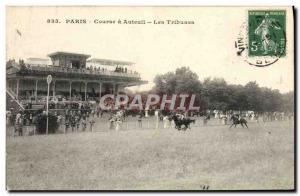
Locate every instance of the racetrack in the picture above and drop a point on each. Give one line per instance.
(213, 157)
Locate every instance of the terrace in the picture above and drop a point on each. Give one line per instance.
(46, 69)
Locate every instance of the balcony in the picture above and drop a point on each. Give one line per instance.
(46, 69)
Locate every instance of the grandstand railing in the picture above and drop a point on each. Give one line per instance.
(44, 68)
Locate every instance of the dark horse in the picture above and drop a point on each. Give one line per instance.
(179, 122)
(236, 121)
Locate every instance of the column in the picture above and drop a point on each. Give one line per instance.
(85, 88)
(114, 89)
(36, 90)
(53, 88)
(17, 89)
(70, 90)
(117, 89)
(100, 90)
(9, 84)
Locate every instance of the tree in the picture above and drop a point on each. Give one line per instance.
(217, 93)
(183, 80)
(288, 102)
(253, 96)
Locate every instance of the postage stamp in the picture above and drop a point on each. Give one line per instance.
(266, 33)
(262, 39)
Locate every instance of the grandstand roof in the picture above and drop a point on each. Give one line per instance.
(68, 54)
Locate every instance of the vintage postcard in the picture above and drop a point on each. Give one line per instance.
(149, 98)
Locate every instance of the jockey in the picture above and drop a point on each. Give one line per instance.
(241, 117)
(181, 116)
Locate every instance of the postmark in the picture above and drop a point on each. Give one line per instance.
(262, 38)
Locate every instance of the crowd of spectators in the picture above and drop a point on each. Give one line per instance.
(89, 69)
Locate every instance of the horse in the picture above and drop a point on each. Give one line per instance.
(121, 115)
(236, 121)
(179, 122)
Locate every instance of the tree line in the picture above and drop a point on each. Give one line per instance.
(217, 94)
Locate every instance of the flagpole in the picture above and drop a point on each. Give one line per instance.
(18, 44)
(49, 79)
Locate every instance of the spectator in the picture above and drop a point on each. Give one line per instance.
(19, 125)
(92, 122)
(140, 119)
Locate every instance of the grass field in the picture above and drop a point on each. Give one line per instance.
(214, 157)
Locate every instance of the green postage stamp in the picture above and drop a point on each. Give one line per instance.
(266, 33)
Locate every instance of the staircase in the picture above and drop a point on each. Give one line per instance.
(12, 102)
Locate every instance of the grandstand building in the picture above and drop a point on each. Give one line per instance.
(75, 78)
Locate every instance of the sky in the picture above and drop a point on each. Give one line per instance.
(206, 47)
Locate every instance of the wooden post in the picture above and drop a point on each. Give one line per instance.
(85, 89)
(53, 88)
(70, 90)
(100, 90)
(36, 90)
(114, 89)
